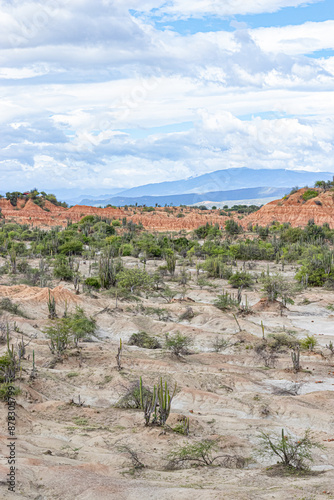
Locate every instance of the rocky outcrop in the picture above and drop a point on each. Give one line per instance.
(160, 220)
(295, 210)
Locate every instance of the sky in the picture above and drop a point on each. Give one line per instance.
(110, 94)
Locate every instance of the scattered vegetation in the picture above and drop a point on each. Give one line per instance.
(294, 454)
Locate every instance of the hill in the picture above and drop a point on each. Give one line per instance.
(297, 209)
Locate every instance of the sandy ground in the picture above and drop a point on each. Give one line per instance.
(65, 451)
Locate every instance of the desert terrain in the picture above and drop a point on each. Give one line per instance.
(79, 433)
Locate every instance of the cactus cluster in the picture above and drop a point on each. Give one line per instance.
(295, 356)
(157, 406)
(52, 307)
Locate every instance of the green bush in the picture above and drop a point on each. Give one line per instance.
(71, 247)
(232, 227)
(126, 250)
(225, 301)
(203, 453)
(241, 278)
(178, 344)
(7, 305)
(309, 194)
(293, 453)
(93, 283)
(142, 339)
(277, 341)
(134, 279)
(309, 342)
(62, 269)
(4, 388)
(80, 325)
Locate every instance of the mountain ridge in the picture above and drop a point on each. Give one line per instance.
(228, 179)
(192, 198)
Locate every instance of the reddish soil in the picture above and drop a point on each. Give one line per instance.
(292, 209)
(295, 210)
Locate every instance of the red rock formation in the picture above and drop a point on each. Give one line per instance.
(295, 210)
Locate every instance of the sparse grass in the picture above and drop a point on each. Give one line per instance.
(81, 421)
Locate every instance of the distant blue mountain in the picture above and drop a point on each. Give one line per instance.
(231, 178)
(192, 198)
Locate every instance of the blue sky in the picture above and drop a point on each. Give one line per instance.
(117, 93)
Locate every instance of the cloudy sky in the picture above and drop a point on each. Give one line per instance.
(109, 94)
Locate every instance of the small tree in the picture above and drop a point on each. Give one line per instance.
(59, 335)
(134, 279)
(80, 325)
(293, 453)
(276, 286)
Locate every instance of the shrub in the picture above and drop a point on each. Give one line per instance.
(279, 340)
(178, 344)
(225, 301)
(88, 219)
(219, 344)
(80, 325)
(93, 283)
(241, 279)
(4, 391)
(216, 268)
(62, 269)
(309, 342)
(276, 286)
(142, 339)
(132, 398)
(58, 333)
(232, 227)
(7, 305)
(293, 453)
(309, 194)
(202, 453)
(131, 279)
(71, 247)
(62, 332)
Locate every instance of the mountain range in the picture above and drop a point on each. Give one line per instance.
(233, 184)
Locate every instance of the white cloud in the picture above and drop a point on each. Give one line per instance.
(293, 40)
(76, 73)
(183, 9)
